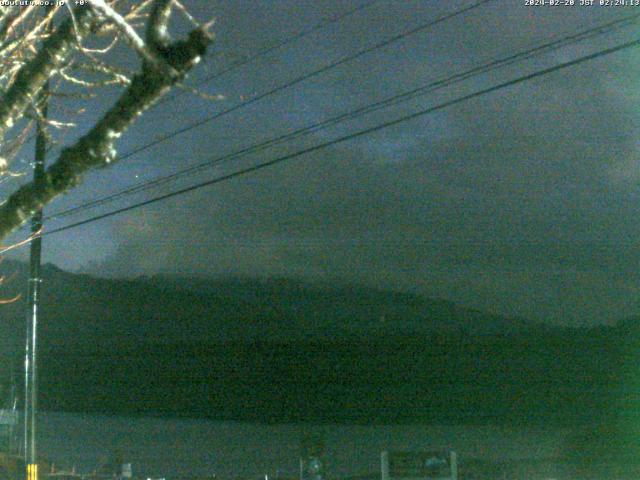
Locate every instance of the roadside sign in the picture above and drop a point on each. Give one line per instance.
(8, 417)
(312, 457)
(419, 465)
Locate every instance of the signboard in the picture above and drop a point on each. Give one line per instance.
(126, 470)
(8, 417)
(311, 468)
(312, 457)
(419, 465)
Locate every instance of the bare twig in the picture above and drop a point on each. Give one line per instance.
(139, 45)
(96, 148)
(30, 79)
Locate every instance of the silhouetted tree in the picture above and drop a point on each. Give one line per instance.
(72, 45)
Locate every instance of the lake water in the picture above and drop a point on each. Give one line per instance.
(177, 447)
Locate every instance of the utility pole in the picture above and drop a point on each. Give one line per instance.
(33, 300)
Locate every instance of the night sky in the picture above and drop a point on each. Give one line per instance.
(522, 202)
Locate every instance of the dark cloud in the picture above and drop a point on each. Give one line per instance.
(478, 224)
(523, 202)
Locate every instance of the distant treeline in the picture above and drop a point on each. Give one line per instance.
(524, 379)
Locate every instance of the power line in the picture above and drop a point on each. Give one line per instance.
(360, 133)
(261, 53)
(432, 86)
(305, 77)
(290, 84)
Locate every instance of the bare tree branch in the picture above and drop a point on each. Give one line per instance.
(158, 26)
(30, 79)
(7, 48)
(11, 20)
(96, 148)
(132, 37)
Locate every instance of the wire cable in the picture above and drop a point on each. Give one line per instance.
(305, 77)
(261, 53)
(360, 133)
(432, 86)
(287, 41)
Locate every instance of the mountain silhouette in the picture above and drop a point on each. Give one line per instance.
(284, 350)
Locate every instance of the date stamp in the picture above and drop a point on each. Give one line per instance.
(581, 3)
(549, 3)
